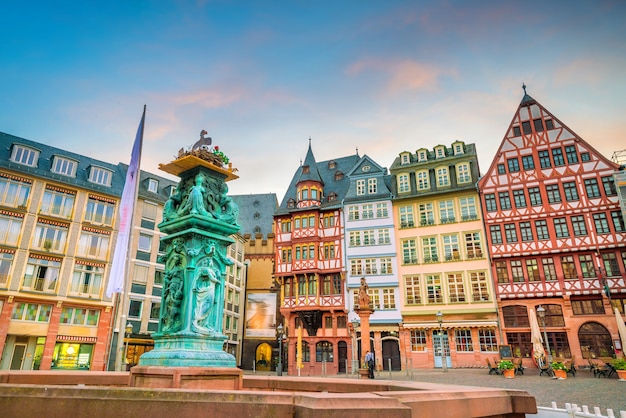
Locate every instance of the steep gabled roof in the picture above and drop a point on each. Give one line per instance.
(256, 213)
(366, 168)
(309, 171)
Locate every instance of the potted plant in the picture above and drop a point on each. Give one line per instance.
(508, 368)
(560, 371)
(620, 366)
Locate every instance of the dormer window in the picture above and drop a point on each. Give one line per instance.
(291, 203)
(153, 185)
(305, 169)
(338, 176)
(332, 197)
(422, 155)
(440, 152)
(100, 175)
(332, 164)
(65, 166)
(171, 190)
(458, 149)
(25, 155)
(405, 158)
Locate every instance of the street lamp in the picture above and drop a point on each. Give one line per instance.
(279, 334)
(129, 330)
(355, 351)
(541, 312)
(444, 357)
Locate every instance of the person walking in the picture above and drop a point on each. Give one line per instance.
(369, 360)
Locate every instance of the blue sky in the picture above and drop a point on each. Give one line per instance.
(263, 76)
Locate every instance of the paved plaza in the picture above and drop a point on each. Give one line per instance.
(584, 389)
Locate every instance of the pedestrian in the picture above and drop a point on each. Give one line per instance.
(369, 360)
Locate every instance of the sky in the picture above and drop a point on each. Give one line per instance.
(262, 77)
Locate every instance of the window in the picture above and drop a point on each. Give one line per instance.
(413, 290)
(427, 215)
(502, 272)
(578, 225)
(519, 197)
(381, 210)
(41, 275)
(451, 247)
(49, 236)
(6, 260)
(385, 266)
(569, 188)
(463, 340)
(549, 124)
(501, 169)
(356, 267)
(587, 267)
(601, 223)
(440, 152)
(618, 221)
(446, 211)
(285, 226)
(159, 276)
(442, 177)
(353, 213)
(528, 163)
(403, 183)
(134, 309)
(24, 155)
(145, 243)
(10, 228)
(368, 211)
(153, 185)
(456, 289)
(480, 288)
(532, 269)
(608, 184)
(468, 208)
(557, 157)
(554, 195)
(423, 156)
(473, 247)
(569, 267)
(560, 227)
(610, 264)
(433, 288)
(79, 316)
(487, 340)
(429, 246)
(588, 307)
(409, 251)
(418, 340)
(372, 186)
(86, 279)
(505, 200)
(510, 233)
(31, 312)
(57, 203)
(355, 238)
(423, 182)
(549, 271)
(516, 131)
(526, 128)
(64, 166)
(14, 192)
(360, 187)
(405, 159)
(544, 159)
(538, 123)
(513, 164)
(100, 176)
(140, 274)
(542, 230)
(490, 202)
(389, 299)
(463, 173)
(496, 234)
(591, 186)
(383, 236)
(93, 244)
(526, 231)
(570, 154)
(517, 273)
(585, 156)
(535, 196)
(406, 217)
(370, 266)
(99, 211)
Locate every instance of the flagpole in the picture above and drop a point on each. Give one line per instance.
(120, 270)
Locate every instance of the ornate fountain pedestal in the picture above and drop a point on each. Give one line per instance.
(197, 222)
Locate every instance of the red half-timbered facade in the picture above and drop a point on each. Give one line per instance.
(556, 236)
(309, 266)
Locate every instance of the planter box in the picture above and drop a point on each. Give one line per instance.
(560, 374)
(508, 373)
(364, 374)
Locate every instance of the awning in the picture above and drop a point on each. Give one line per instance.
(457, 324)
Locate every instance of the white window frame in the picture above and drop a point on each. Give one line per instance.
(87, 280)
(463, 173)
(93, 245)
(153, 185)
(423, 180)
(57, 203)
(372, 186)
(24, 155)
(64, 166)
(443, 177)
(100, 175)
(403, 183)
(360, 187)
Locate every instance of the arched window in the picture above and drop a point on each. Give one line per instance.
(324, 352)
(595, 340)
(306, 353)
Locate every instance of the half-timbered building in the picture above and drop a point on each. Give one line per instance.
(310, 265)
(556, 236)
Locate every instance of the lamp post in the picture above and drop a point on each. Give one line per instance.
(444, 357)
(128, 331)
(541, 312)
(279, 334)
(355, 351)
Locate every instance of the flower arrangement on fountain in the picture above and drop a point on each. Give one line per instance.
(221, 155)
(203, 149)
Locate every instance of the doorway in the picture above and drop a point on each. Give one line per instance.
(441, 348)
(391, 351)
(17, 359)
(342, 354)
